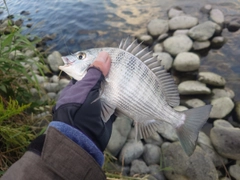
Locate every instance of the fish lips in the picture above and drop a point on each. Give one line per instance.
(68, 61)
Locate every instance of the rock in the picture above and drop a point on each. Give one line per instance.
(203, 31)
(120, 130)
(49, 37)
(211, 79)
(55, 60)
(198, 45)
(198, 166)
(221, 107)
(162, 37)
(193, 87)
(18, 22)
(233, 26)
(193, 103)
(29, 53)
(165, 58)
(40, 79)
(51, 87)
(155, 170)
(182, 22)
(218, 41)
(168, 132)
(177, 44)
(114, 167)
(206, 9)
(186, 61)
(205, 143)
(180, 108)
(151, 154)
(54, 79)
(131, 151)
(52, 95)
(145, 39)
(217, 16)
(176, 11)
(29, 25)
(154, 139)
(237, 111)
(234, 171)
(226, 92)
(226, 141)
(158, 47)
(63, 83)
(15, 54)
(138, 167)
(157, 27)
(181, 32)
(25, 13)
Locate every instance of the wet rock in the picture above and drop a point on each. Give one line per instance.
(237, 111)
(226, 92)
(154, 139)
(131, 151)
(25, 13)
(181, 32)
(193, 87)
(203, 31)
(211, 79)
(182, 22)
(165, 58)
(206, 9)
(205, 143)
(138, 167)
(198, 45)
(226, 141)
(157, 27)
(233, 26)
(158, 47)
(49, 37)
(51, 87)
(198, 166)
(54, 60)
(18, 22)
(221, 107)
(146, 39)
(217, 16)
(151, 154)
(186, 61)
(193, 103)
(177, 44)
(120, 130)
(29, 25)
(176, 11)
(155, 170)
(218, 41)
(234, 170)
(162, 37)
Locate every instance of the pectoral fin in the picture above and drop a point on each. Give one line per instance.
(106, 111)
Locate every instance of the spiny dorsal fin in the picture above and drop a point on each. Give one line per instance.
(168, 85)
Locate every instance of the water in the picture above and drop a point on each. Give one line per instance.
(82, 24)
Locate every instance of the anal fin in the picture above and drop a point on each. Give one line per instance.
(106, 111)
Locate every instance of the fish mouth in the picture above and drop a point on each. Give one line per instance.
(67, 61)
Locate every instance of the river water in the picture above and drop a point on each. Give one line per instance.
(82, 24)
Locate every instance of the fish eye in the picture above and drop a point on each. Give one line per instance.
(81, 56)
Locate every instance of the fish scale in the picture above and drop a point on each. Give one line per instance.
(137, 86)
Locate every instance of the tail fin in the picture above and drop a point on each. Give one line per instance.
(188, 132)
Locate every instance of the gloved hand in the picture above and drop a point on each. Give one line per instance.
(78, 105)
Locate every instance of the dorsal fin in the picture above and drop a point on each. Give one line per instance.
(166, 81)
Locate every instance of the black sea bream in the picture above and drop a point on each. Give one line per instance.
(138, 87)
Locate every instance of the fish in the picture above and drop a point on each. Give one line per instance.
(137, 86)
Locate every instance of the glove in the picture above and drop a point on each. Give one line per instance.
(79, 104)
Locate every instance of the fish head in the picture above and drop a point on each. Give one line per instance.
(77, 64)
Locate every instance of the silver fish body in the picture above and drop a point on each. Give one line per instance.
(138, 87)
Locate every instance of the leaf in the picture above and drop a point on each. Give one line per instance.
(3, 88)
(7, 41)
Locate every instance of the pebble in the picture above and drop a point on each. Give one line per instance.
(54, 79)
(186, 61)
(52, 95)
(221, 107)
(180, 108)
(198, 45)
(183, 167)
(182, 22)
(177, 44)
(234, 171)
(222, 123)
(40, 79)
(29, 53)
(233, 26)
(54, 60)
(217, 16)
(25, 13)
(155, 170)
(162, 37)
(158, 47)
(51, 87)
(168, 132)
(138, 167)
(157, 27)
(193, 87)
(63, 83)
(203, 31)
(218, 41)
(211, 79)
(181, 32)
(145, 39)
(206, 9)
(176, 11)
(18, 22)
(165, 58)
(154, 139)
(193, 103)
(237, 111)
(226, 92)
(151, 154)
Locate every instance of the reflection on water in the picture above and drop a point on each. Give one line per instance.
(86, 24)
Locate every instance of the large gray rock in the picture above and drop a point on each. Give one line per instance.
(165, 59)
(138, 167)
(193, 87)
(177, 44)
(155, 170)
(131, 151)
(211, 79)
(151, 154)
(226, 92)
(226, 141)
(120, 130)
(182, 22)
(234, 170)
(186, 61)
(54, 60)
(217, 16)
(203, 31)
(198, 166)
(221, 107)
(157, 27)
